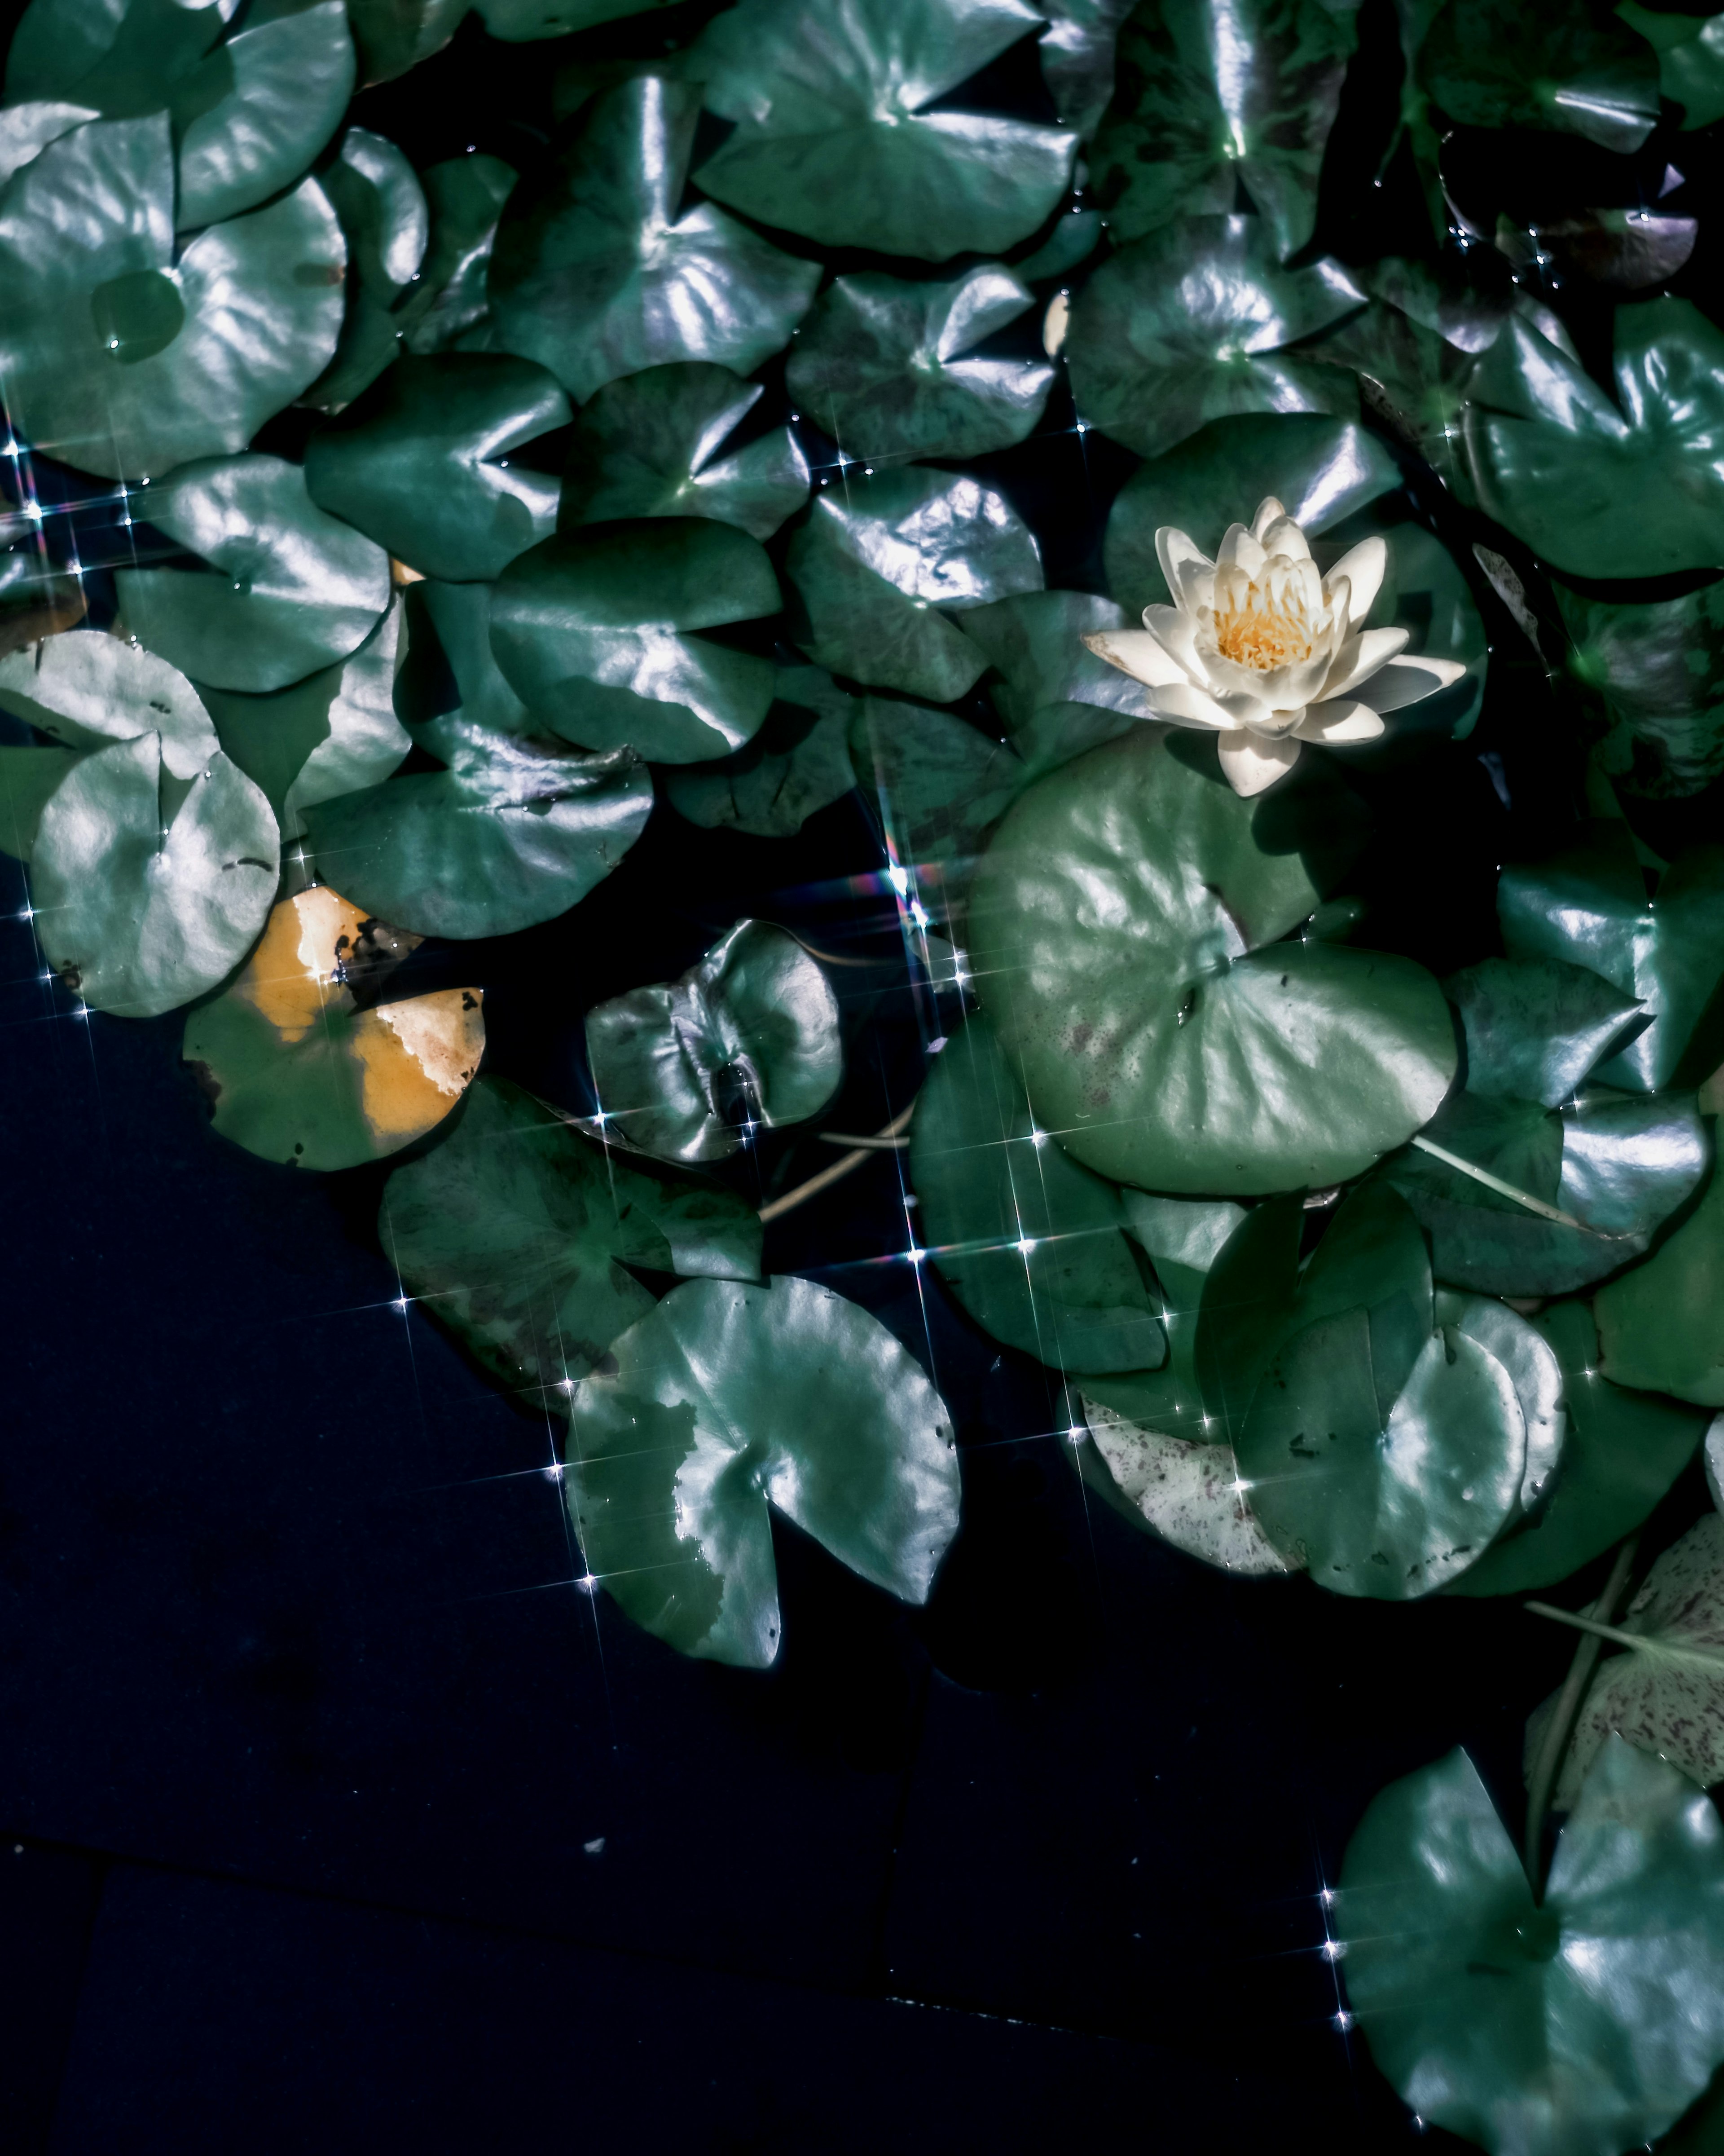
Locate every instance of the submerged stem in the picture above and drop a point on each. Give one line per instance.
(868, 1150)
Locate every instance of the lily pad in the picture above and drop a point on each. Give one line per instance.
(453, 622)
(726, 1399)
(464, 199)
(598, 275)
(395, 35)
(1164, 1030)
(591, 629)
(252, 117)
(1659, 666)
(1535, 1027)
(298, 1073)
(936, 784)
(1320, 470)
(1211, 93)
(140, 909)
(749, 1036)
(1691, 59)
(518, 1235)
(651, 443)
(1589, 2021)
(1661, 1326)
(833, 139)
(506, 836)
(1032, 1245)
(27, 130)
(122, 360)
(86, 689)
(1187, 1490)
(1077, 55)
(29, 779)
(797, 764)
(1621, 1453)
(881, 365)
(1490, 64)
(423, 463)
(1187, 326)
(519, 22)
(1599, 491)
(1538, 1379)
(874, 567)
(377, 195)
(1589, 906)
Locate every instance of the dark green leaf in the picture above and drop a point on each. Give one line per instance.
(26, 130)
(377, 195)
(725, 1397)
(122, 56)
(1538, 1379)
(1691, 59)
(86, 690)
(589, 628)
(454, 620)
(463, 197)
(1077, 55)
(1036, 642)
(1248, 1296)
(507, 837)
(686, 1069)
(517, 1233)
(649, 445)
(1535, 1027)
(395, 35)
(1211, 93)
(1659, 667)
(1491, 64)
(1586, 2024)
(1661, 1326)
(833, 139)
(598, 275)
(250, 120)
(936, 783)
(799, 763)
(28, 777)
(1073, 239)
(518, 22)
(288, 590)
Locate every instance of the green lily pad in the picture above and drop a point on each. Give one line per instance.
(1073, 239)
(833, 139)
(123, 56)
(1535, 1027)
(1537, 1376)
(1032, 1245)
(385, 220)
(797, 764)
(1077, 53)
(518, 1233)
(335, 732)
(748, 1036)
(1621, 1453)
(86, 690)
(1599, 491)
(725, 1399)
(1490, 64)
(1187, 326)
(1034, 640)
(881, 365)
(26, 130)
(875, 564)
(29, 779)
(142, 910)
(519, 22)
(1659, 666)
(1210, 95)
(649, 445)
(288, 590)
(1661, 1326)
(1589, 2022)
(1166, 1034)
(423, 463)
(935, 783)
(297, 1073)
(452, 622)
(395, 35)
(122, 360)
(464, 199)
(1589, 906)
(598, 275)
(1691, 59)
(252, 117)
(591, 630)
(1321, 470)
(506, 836)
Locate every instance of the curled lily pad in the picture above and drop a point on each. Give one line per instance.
(288, 590)
(592, 630)
(423, 463)
(1188, 326)
(1164, 1032)
(1537, 1376)
(1590, 2021)
(142, 910)
(1320, 470)
(1659, 666)
(252, 117)
(876, 566)
(335, 732)
(1032, 1245)
(651, 445)
(122, 360)
(748, 1036)
(297, 1073)
(1535, 1027)
(799, 763)
(29, 779)
(727, 1398)
(1589, 906)
(936, 783)
(86, 690)
(881, 365)
(1599, 491)
(506, 836)
(464, 199)
(598, 274)
(833, 139)
(1661, 1326)
(1489, 63)
(1186, 1490)
(1691, 59)
(519, 1234)
(377, 195)
(1211, 93)
(1621, 1451)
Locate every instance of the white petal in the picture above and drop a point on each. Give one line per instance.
(1239, 549)
(1284, 536)
(1269, 509)
(1407, 681)
(1136, 652)
(1362, 656)
(1176, 631)
(1363, 567)
(1174, 548)
(1339, 722)
(1250, 765)
(1187, 706)
(1192, 585)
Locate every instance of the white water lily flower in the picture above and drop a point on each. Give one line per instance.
(1262, 649)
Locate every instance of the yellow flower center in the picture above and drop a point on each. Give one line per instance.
(1263, 629)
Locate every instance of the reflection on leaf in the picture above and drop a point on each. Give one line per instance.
(1493, 64)
(1659, 666)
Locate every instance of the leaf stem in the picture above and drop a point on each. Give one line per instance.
(829, 1176)
(1563, 1716)
(1508, 1190)
(1696, 1658)
(867, 1145)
